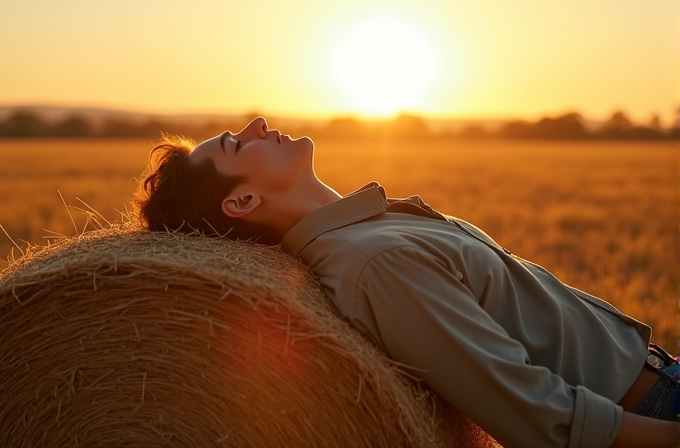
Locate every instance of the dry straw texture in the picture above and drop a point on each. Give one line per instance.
(126, 338)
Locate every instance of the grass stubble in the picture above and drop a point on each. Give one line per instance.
(602, 216)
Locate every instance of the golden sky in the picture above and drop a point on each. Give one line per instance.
(313, 58)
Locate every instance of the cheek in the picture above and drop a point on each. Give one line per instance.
(272, 171)
(277, 168)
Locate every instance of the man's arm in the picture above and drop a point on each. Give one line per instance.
(638, 431)
(428, 319)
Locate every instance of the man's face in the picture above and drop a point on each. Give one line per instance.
(272, 164)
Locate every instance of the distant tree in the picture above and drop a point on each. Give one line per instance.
(154, 128)
(344, 127)
(74, 127)
(472, 131)
(653, 130)
(566, 126)
(24, 124)
(644, 133)
(212, 128)
(516, 129)
(655, 123)
(618, 126)
(120, 129)
(406, 125)
(619, 121)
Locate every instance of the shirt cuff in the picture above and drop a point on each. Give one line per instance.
(596, 420)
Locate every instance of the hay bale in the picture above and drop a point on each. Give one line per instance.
(127, 338)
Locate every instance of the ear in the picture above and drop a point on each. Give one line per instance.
(238, 205)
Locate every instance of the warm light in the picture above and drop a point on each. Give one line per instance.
(385, 66)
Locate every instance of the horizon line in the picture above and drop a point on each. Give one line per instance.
(319, 117)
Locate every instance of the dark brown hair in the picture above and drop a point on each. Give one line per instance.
(177, 195)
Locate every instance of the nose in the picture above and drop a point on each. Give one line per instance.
(256, 128)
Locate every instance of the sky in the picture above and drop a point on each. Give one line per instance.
(364, 58)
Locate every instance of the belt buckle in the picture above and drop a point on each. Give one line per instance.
(655, 362)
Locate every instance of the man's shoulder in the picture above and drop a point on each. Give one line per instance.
(373, 236)
(344, 253)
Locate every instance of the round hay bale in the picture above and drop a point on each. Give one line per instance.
(129, 338)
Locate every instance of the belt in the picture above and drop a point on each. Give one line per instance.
(651, 374)
(659, 358)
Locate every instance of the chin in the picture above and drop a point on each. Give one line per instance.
(306, 142)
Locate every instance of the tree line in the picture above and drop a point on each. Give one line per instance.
(27, 124)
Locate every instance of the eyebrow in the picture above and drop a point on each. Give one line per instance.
(224, 134)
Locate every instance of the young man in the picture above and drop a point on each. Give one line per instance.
(532, 361)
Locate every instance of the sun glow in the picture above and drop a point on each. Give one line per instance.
(385, 66)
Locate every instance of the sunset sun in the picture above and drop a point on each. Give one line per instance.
(385, 66)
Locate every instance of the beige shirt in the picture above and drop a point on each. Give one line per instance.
(534, 362)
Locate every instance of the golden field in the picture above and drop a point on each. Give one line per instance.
(602, 216)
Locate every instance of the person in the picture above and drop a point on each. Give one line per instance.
(531, 360)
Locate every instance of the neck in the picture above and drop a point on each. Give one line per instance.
(283, 213)
(322, 196)
(312, 197)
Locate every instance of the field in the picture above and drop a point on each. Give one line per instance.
(602, 216)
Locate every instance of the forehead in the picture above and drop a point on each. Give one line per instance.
(206, 149)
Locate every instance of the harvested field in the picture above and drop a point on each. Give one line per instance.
(602, 216)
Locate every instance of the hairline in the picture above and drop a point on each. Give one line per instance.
(208, 161)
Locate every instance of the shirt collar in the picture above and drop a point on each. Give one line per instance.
(368, 201)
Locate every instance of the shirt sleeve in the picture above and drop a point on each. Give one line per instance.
(427, 318)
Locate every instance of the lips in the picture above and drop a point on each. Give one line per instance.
(278, 137)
